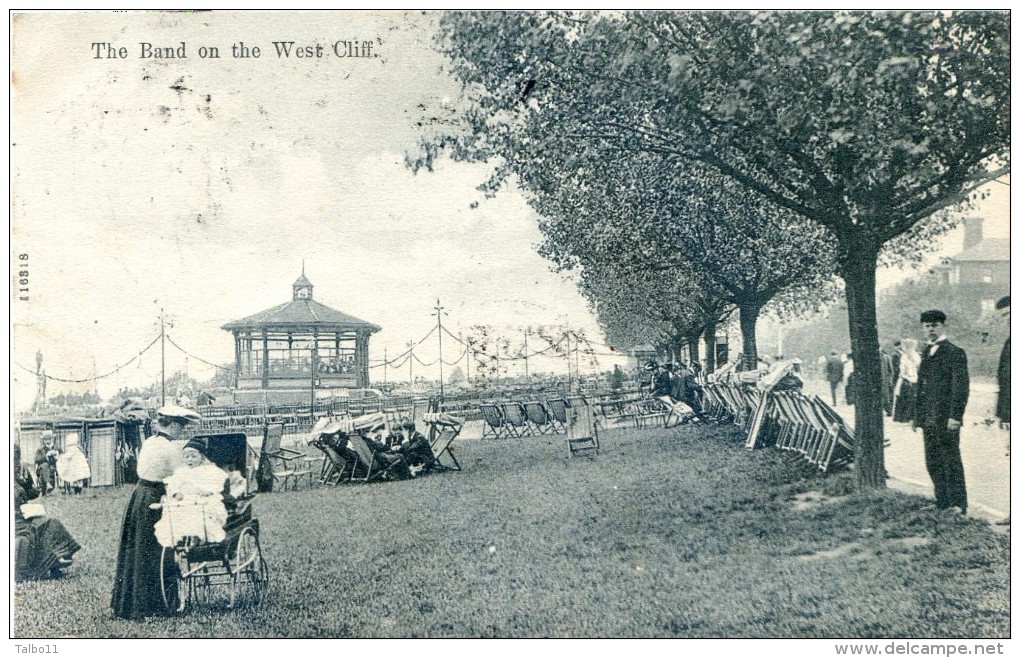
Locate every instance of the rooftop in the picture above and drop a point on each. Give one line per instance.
(989, 249)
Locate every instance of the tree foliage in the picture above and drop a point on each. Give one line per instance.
(867, 124)
(638, 306)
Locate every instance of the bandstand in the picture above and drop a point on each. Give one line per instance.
(298, 350)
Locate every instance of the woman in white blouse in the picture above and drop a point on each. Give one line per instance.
(137, 592)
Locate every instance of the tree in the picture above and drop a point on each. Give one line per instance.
(867, 124)
(224, 377)
(662, 308)
(456, 376)
(728, 246)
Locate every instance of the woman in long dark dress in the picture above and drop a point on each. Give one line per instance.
(137, 590)
(43, 548)
(905, 393)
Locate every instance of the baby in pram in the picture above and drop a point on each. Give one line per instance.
(197, 495)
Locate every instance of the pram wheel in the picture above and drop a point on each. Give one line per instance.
(249, 570)
(176, 588)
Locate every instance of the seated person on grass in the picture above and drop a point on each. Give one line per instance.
(414, 448)
(384, 458)
(195, 500)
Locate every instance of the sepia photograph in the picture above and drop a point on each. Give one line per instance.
(445, 325)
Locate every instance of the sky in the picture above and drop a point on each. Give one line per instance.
(200, 187)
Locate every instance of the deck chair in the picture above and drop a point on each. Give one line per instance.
(515, 418)
(538, 417)
(280, 465)
(443, 429)
(557, 413)
(420, 407)
(374, 465)
(495, 426)
(335, 469)
(582, 430)
(328, 433)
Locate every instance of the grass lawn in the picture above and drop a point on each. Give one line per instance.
(667, 533)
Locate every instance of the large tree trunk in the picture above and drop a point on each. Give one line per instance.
(748, 323)
(710, 346)
(693, 349)
(858, 269)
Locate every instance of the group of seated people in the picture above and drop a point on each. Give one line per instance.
(403, 453)
(336, 365)
(677, 382)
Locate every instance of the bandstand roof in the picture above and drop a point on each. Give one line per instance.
(301, 314)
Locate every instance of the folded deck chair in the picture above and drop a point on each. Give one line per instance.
(756, 436)
(515, 418)
(618, 410)
(495, 426)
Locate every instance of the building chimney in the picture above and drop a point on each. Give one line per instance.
(972, 231)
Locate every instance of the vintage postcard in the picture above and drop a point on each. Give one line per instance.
(345, 325)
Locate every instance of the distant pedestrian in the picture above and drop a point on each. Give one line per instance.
(834, 373)
(943, 386)
(46, 464)
(1002, 403)
(888, 377)
(849, 388)
(905, 393)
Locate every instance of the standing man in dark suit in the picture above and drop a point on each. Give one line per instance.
(1002, 403)
(943, 387)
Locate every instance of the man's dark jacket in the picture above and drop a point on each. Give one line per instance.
(943, 386)
(1002, 404)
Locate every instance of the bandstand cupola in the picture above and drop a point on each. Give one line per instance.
(302, 287)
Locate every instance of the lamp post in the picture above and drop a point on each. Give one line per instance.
(162, 357)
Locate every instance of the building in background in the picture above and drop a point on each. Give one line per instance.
(980, 273)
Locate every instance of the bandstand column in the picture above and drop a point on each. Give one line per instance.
(312, 363)
(237, 357)
(265, 359)
(362, 355)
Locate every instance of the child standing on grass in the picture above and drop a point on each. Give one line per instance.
(72, 465)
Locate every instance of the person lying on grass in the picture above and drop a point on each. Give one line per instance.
(196, 500)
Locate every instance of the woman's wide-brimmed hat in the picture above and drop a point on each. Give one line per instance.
(183, 414)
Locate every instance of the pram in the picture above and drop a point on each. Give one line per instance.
(193, 568)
